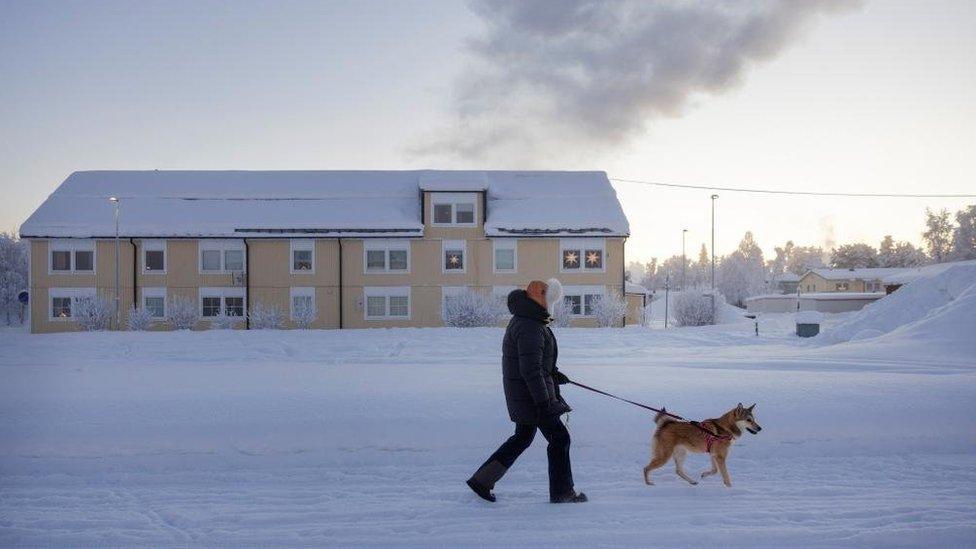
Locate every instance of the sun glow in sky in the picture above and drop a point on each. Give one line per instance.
(872, 99)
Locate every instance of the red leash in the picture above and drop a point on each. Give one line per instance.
(709, 435)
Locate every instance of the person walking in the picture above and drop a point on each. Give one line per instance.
(531, 381)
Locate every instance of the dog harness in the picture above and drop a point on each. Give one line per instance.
(710, 437)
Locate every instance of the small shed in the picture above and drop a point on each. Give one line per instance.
(637, 298)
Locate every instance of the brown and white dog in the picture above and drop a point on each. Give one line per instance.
(676, 438)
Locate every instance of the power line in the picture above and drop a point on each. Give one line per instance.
(800, 193)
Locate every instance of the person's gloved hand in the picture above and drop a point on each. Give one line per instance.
(559, 377)
(554, 407)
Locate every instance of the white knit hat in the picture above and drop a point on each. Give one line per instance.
(554, 293)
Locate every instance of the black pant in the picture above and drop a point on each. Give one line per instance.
(560, 471)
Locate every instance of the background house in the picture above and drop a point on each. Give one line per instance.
(361, 248)
(846, 280)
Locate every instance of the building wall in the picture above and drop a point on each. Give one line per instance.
(812, 282)
(635, 306)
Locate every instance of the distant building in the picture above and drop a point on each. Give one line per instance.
(866, 280)
(784, 283)
(360, 248)
(637, 299)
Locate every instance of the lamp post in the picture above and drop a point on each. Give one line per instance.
(683, 260)
(118, 301)
(714, 196)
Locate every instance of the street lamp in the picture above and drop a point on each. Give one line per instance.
(683, 260)
(714, 196)
(118, 302)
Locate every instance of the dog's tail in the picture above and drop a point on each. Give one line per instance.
(663, 419)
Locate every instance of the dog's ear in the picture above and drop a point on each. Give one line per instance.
(739, 407)
(751, 407)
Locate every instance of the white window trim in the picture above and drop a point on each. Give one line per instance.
(505, 244)
(386, 245)
(453, 199)
(222, 293)
(220, 245)
(74, 294)
(301, 245)
(453, 245)
(582, 244)
(386, 292)
(154, 246)
(159, 291)
(72, 245)
(581, 291)
(300, 292)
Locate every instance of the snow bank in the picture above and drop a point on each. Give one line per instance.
(930, 306)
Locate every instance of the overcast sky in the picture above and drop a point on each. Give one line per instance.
(836, 96)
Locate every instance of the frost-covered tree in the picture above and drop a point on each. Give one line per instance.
(13, 277)
(854, 256)
(561, 313)
(635, 272)
(94, 313)
(805, 258)
(742, 273)
(650, 274)
(899, 254)
(182, 312)
(609, 310)
(938, 235)
(692, 308)
(266, 317)
(964, 235)
(471, 309)
(138, 319)
(304, 315)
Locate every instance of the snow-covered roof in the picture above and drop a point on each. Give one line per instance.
(787, 277)
(842, 296)
(632, 288)
(875, 273)
(320, 203)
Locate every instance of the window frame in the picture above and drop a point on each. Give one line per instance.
(223, 246)
(461, 245)
(300, 291)
(386, 246)
(74, 294)
(154, 246)
(222, 292)
(72, 246)
(582, 292)
(154, 292)
(583, 245)
(386, 292)
(453, 200)
(504, 244)
(301, 245)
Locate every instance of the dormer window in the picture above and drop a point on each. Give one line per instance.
(454, 209)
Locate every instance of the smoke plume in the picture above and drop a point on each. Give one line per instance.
(552, 78)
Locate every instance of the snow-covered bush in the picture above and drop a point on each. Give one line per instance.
(561, 314)
(266, 317)
(303, 315)
(183, 313)
(609, 310)
(13, 277)
(139, 319)
(225, 322)
(470, 309)
(94, 313)
(692, 308)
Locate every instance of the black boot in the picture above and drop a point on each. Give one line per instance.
(483, 493)
(569, 498)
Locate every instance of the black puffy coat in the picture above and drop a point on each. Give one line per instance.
(529, 354)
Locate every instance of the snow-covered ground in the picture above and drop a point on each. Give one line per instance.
(365, 437)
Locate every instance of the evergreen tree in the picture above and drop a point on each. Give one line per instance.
(938, 235)
(964, 235)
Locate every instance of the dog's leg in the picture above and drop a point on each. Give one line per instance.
(720, 461)
(711, 471)
(679, 460)
(661, 455)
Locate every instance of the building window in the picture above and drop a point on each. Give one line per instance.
(456, 209)
(72, 256)
(582, 254)
(154, 301)
(506, 259)
(154, 256)
(454, 256)
(64, 301)
(387, 256)
(302, 302)
(385, 303)
(221, 302)
(580, 300)
(842, 286)
(302, 256)
(221, 256)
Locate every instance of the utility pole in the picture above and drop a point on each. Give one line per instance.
(667, 297)
(683, 260)
(118, 277)
(714, 196)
